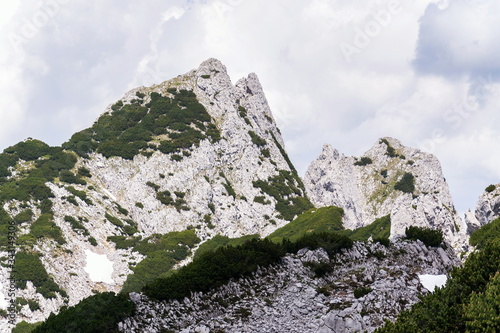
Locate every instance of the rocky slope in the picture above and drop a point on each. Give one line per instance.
(195, 152)
(390, 179)
(290, 298)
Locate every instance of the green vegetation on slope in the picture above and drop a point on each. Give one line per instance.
(29, 267)
(288, 192)
(213, 269)
(430, 237)
(29, 182)
(162, 253)
(170, 125)
(468, 303)
(100, 313)
(406, 184)
(314, 220)
(363, 161)
(377, 230)
(24, 327)
(329, 219)
(391, 152)
(482, 313)
(44, 226)
(487, 233)
(221, 241)
(490, 188)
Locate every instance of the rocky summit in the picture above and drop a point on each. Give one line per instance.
(389, 179)
(190, 173)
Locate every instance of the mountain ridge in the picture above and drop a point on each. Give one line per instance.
(168, 167)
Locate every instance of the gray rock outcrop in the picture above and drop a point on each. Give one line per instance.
(290, 298)
(366, 188)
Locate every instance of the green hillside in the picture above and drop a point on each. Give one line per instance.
(171, 124)
(325, 219)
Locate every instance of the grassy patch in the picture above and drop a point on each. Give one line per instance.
(314, 220)
(222, 241)
(162, 253)
(378, 229)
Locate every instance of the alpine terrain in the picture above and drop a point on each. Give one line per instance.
(179, 210)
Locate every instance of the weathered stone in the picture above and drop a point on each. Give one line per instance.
(287, 305)
(366, 191)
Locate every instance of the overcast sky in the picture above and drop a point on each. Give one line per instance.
(341, 72)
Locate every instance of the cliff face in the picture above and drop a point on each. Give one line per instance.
(388, 179)
(194, 153)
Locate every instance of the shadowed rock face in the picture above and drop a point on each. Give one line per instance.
(371, 186)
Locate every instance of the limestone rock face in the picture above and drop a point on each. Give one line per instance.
(487, 209)
(366, 188)
(205, 175)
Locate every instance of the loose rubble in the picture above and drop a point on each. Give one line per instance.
(289, 297)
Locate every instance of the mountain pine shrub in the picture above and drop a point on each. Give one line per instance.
(490, 188)
(430, 237)
(406, 184)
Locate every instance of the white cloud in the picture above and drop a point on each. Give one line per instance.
(460, 38)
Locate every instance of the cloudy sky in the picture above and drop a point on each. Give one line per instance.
(343, 72)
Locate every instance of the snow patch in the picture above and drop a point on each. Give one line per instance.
(430, 282)
(99, 267)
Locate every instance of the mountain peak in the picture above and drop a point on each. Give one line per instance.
(389, 179)
(328, 152)
(212, 64)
